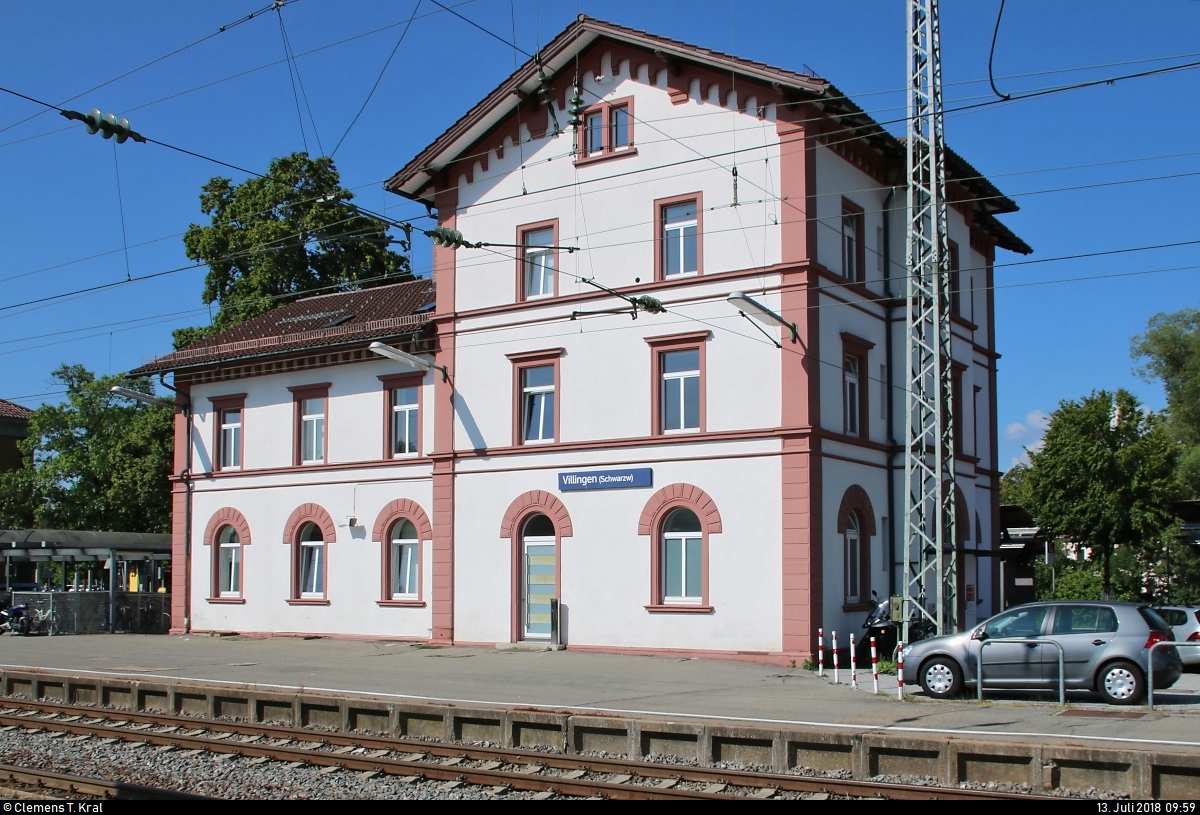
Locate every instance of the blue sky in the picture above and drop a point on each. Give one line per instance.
(61, 223)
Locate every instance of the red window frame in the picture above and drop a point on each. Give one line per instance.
(392, 382)
(220, 404)
(696, 340)
(521, 362)
(299, 393)
(853, 210)
(607, 150)
(660, 224)
(859, 349)
(522, 231)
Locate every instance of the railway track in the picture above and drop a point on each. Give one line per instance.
(25, 783)
(496, 769)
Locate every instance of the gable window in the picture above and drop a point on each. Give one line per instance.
(856, 395)
(850, 394)
(537, 260)
(311, 556)
(607, 130)
(536, 407)
(229, 563)
(853, 249)
(310, 406)
(404, 561)
(677, 399)
(228, 414)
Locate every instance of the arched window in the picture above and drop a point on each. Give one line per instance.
(310, 564)
(228, 564)
(682, 559)
(404, 561)
(539, 575)
(854, 560)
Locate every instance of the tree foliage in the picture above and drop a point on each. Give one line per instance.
(1105, 477)
(275, 238)
(1170, 351)
(1014, 486)
(96, 461)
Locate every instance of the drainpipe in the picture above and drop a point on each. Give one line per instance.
(186, 478)
(890, 304)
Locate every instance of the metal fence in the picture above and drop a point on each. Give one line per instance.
(87, 612)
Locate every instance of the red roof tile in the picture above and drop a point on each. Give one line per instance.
(11, 410)
(311, 323)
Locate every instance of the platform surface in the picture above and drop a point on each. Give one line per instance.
(713, 689)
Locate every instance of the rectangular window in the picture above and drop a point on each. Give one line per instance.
(229, 582)
(956, 297)
(975, 421)
(310, 404)
(539, 263)
(593, 125)
(312, 431)
(619, 127)
(404, 569)
(405, 424)
(883, 392)
(228, 417)
(853, 248)
(680, 240)
(850, 394)
(956, 402)
(312, 569)
(880, 257)
(537, 404)
(683, 566)
(680, 391)
(231, 439)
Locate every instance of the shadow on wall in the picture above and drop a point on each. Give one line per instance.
(463, 411)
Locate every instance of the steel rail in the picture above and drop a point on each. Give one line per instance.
(44, 780)
(485, 777)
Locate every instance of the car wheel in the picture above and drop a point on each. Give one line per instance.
(1121, 683)
(941, 678)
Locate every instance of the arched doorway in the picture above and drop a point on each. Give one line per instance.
(539, 576)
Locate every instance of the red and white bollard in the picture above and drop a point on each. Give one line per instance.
(835, 659)
(900, 669)
(820, 652)
(874, 667)
(853, 664)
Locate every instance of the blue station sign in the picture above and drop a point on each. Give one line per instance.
(606, 479)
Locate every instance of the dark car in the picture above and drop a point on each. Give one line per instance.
(1105, 648)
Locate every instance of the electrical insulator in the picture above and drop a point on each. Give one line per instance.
(543, 90)
(576, 109)
(107, 125)
(648, 304)
(449, 238)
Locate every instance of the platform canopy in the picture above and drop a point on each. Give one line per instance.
(83, 545)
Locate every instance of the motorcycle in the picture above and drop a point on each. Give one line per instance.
(883, 628)
(15, 619)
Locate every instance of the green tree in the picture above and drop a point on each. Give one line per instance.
(1014, 487)
(1104, 478)
(274, 238)
(96, 461)
(1169, 351)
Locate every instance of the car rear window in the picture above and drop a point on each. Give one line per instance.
(1197, 612)
(1172, 616)
(1153, 620)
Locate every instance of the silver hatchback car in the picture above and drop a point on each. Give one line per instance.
(1105, 646)
(1185, 622)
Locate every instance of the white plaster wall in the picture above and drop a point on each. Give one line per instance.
(837, 318)
(354, 561)
(838, 476)
(838, 179)
(606, 372)
(610, 215)
(605, 564)
(353, 423)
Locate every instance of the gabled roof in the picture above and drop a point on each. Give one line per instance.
(322, 321)
(11, 410)
(414, 179)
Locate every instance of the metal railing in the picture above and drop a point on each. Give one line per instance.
(1150, 669)
(1062, 678)
(88, 612)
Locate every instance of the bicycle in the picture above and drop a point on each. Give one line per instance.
(36, 621)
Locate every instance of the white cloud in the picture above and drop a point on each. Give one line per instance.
(1029, 432)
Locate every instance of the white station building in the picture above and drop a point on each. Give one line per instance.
(720, 478)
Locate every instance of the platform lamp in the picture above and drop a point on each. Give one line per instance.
(400, 356)
(749, 307)
(183, 401)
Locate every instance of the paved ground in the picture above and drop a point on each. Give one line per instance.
(679, 688)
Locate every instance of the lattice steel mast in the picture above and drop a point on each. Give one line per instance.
(929, 552)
